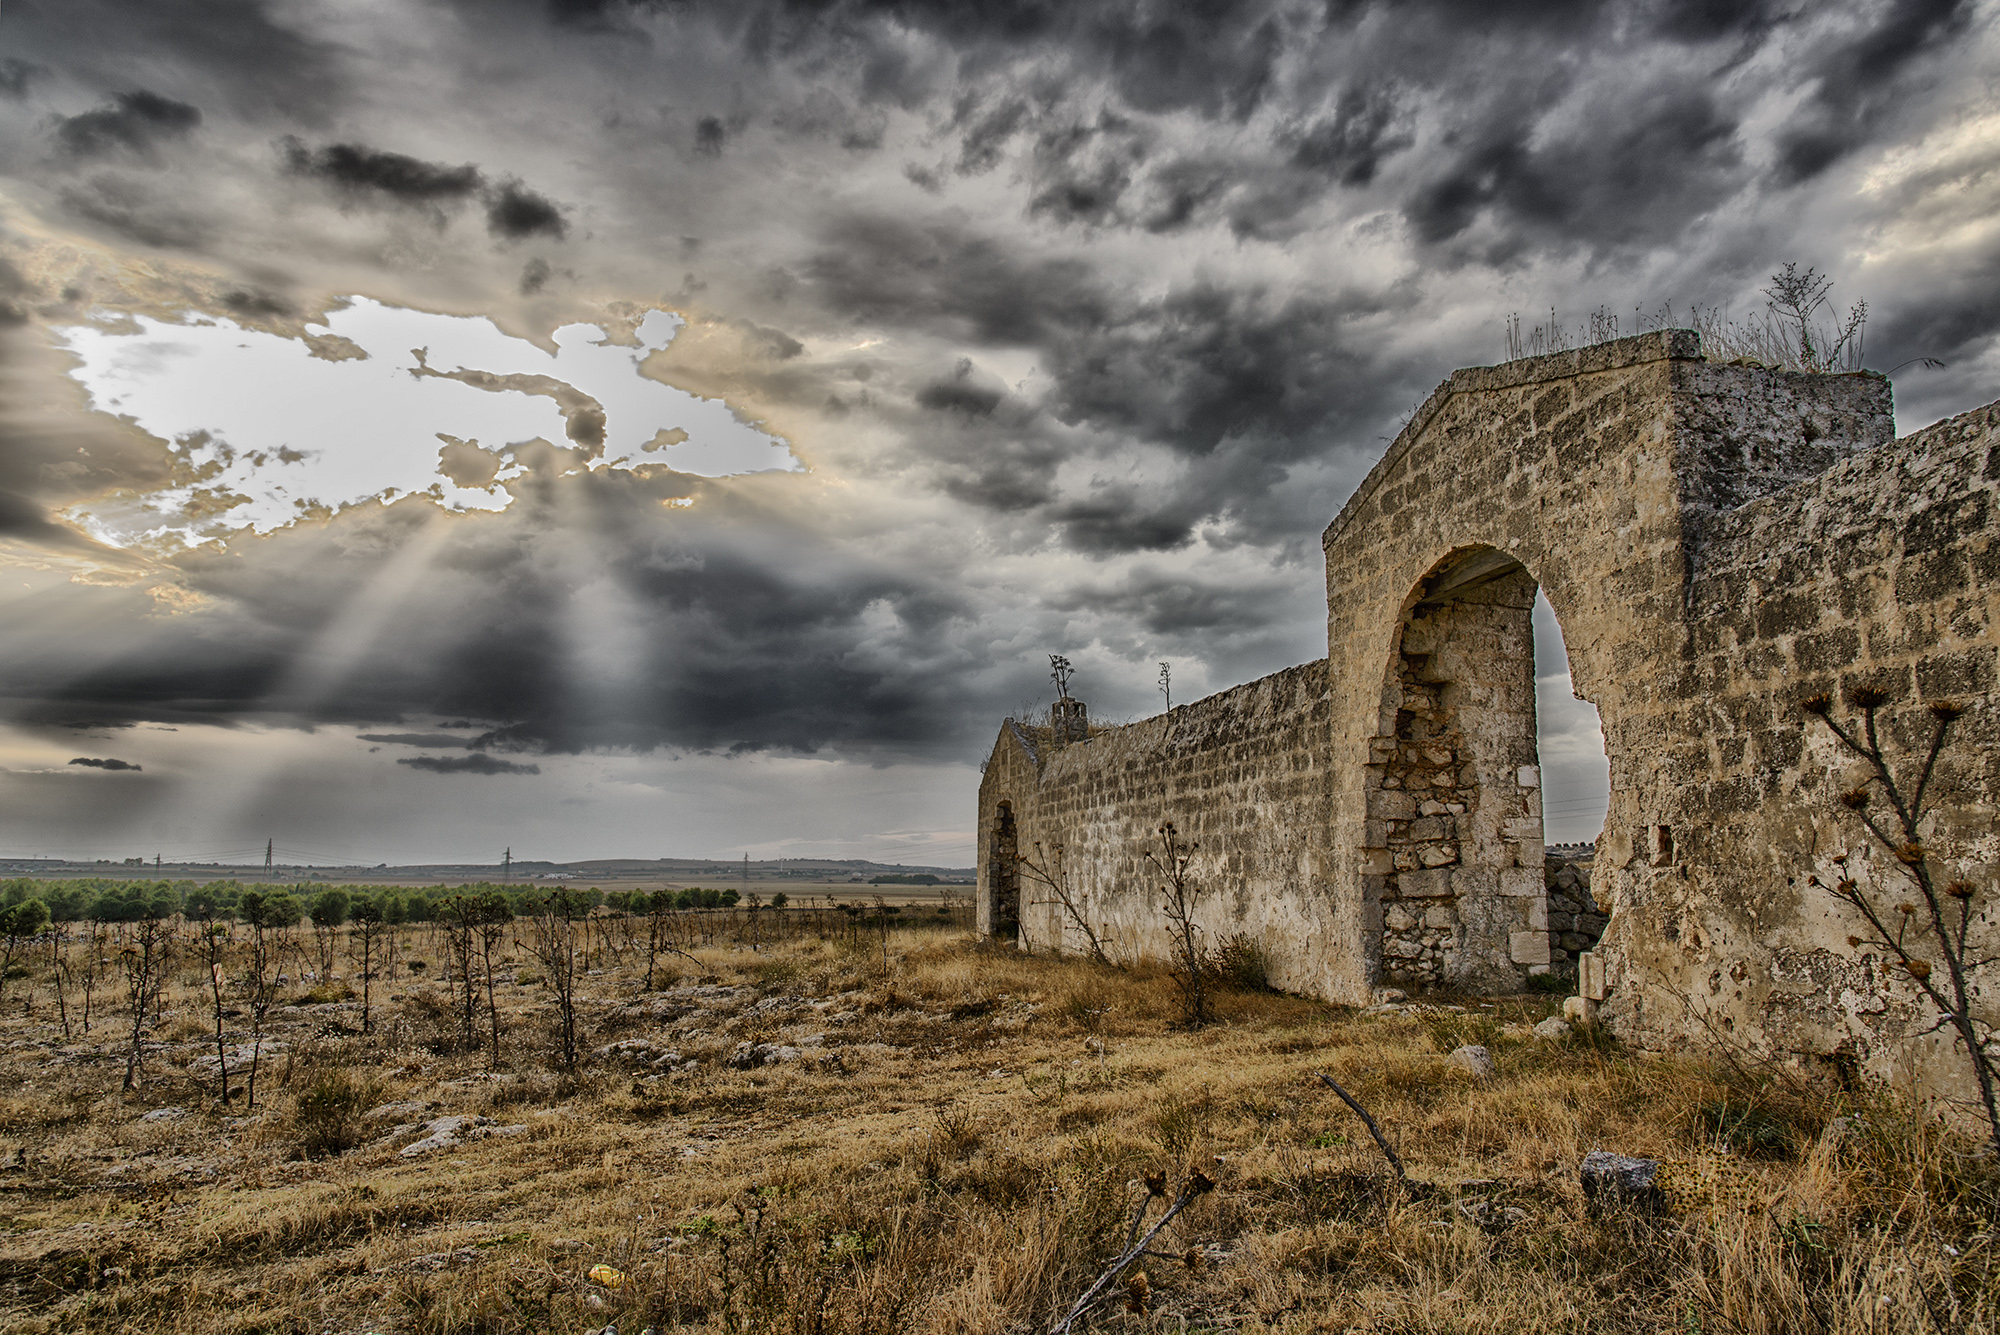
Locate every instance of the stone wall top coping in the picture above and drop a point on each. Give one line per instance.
(1619, 353)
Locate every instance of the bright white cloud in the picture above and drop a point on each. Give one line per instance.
(270, 427)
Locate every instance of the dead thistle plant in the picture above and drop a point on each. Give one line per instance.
(1181, 892)
(1052, 872)
(1913, 932)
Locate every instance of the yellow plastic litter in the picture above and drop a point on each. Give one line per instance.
(610, 1276)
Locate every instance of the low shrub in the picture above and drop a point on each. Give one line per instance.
(1240, 964)
(326, 1114)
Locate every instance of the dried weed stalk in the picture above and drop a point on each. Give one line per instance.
(1918, 936)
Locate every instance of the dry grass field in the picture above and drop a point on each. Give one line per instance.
(941, 1137)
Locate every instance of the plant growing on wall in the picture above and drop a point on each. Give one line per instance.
(1052, 873)
(1925, 936)
(1180, 893)
(1796, 300)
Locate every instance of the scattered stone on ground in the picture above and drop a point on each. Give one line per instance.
(748, 1055)
(1553, 1028)
(1474, 1058)
(448, 1132)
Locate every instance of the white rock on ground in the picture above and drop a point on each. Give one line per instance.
(1476, 1059)
(1552, 1028)
(749, 1055)
(448, 1132)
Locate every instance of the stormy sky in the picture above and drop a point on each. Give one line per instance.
(633, 427)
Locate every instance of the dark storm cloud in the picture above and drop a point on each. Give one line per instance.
(1639, 167)
(515, 212)
(1169, 604)
(18, 76)
(432, 739)
(256, 304)
(962, 393)
(106, 764)
(378, 174)
(744, 636)
(1204, 370)
(1350, 144)
(248, 52)
(1858, 81)
(473, 764)
(135, 209)
(135, 123)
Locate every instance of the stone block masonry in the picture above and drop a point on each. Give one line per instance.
(1717, 541)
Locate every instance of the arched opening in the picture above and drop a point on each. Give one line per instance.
(1003, 876)
(1576, 791)
(1455, 828)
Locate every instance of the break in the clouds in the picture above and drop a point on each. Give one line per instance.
(376, 402)
(373, 371)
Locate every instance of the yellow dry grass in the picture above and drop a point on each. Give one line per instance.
(962, 1152)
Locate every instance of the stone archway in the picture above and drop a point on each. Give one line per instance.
(1456, 876)
(1606, 472)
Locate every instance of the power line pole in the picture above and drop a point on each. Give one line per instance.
(507, 864)
(269, 844)
(746, 877)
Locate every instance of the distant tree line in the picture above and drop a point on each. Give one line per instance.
(103, 900)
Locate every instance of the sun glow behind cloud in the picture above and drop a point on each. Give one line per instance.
(382, 401)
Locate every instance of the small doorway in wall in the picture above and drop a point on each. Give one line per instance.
(1004, 875)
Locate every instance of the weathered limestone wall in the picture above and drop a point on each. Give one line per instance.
(1880, 572)
(1576, 920)
(1239, 773)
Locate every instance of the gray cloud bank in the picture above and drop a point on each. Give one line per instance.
(1087, 317)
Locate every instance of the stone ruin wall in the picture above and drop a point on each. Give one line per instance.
(1884, 572)
(1717, 542)
(1576, 919)
(1239, 773)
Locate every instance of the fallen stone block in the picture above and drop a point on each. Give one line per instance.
(1620, 1182)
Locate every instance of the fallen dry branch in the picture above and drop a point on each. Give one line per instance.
(1198, 1185)
(1402, 1177)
